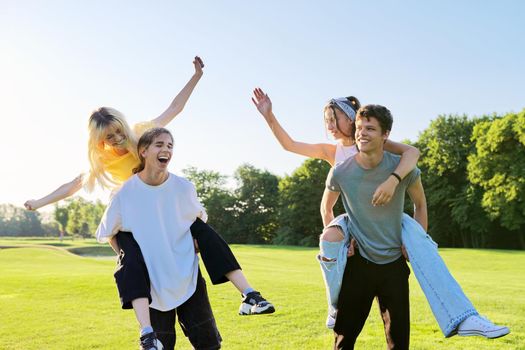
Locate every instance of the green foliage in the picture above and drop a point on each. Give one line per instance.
(453, 205)
(79, 216)
(300, 198)
(61, 216)
(245, 215)
(498, 166)
(256, 205)
(216, 198)
(16, 221)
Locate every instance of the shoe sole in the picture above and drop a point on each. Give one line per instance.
(248, 309)
(268, 309)
(490, 335)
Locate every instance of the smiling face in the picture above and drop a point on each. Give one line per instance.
(115, 137)
(158, 154)
(369, 135)
(338, 125)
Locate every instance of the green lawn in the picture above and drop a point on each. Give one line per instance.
(53, 299)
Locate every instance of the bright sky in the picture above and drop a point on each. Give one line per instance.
(59, 60)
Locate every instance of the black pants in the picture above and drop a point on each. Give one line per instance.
(364, 280)
(132, 276)
(195, 318)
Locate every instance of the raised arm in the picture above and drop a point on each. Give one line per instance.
(417, 194)
(319, 150)
(409, 157)
(327, 205)
(64, 191)
(178, 103)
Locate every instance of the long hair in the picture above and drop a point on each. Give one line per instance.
(330, 108)
(145, 141)
(99, 121)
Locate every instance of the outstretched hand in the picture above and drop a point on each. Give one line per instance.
(262, 102)
(31, 204)
(197, 62)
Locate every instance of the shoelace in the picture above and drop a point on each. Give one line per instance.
(258, 299)
(485, 322)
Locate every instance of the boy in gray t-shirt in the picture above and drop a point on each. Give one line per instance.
(377, 269)
(377, 229)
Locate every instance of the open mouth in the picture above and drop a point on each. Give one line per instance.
(163, 159)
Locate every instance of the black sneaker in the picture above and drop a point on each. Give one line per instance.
(255, 304)
(149, 341)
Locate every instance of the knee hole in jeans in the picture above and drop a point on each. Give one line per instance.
(332, 234)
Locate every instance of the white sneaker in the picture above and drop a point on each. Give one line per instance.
(479, 325)
(330, 320)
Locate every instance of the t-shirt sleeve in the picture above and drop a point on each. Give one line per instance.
(331, 182)
(140, 128)
(111, 222)
(412, 176)
(199, 208)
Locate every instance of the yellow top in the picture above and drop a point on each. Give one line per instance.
(120, 167)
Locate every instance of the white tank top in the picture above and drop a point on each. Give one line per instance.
(342, 153)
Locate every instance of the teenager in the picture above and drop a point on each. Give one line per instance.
(378, 268)
(339, 115)
(112, 155)
(453, 311)
(159, 208)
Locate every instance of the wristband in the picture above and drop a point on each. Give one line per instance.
(396, 176)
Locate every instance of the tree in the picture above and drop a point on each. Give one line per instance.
(16, 221)
(498, 166)
(60, 214)
(455, 214)
(300, 197)
(83, 216)
(216, 198)
(256, 205)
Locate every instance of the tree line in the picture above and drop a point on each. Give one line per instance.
(473, 171)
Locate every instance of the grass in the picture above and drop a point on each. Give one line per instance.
(53, 299)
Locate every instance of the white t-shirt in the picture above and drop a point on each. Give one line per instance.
(159, 218)
(342, 153)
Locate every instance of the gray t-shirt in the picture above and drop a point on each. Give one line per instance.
(377, 230)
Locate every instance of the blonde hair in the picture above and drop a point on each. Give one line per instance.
(99, 121)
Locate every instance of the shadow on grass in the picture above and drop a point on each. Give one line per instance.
(273, 247)
(95, 250)
(102, 250)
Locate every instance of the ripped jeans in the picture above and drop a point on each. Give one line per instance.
(449, 304)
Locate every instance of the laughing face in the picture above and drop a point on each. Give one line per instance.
(158, 154)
